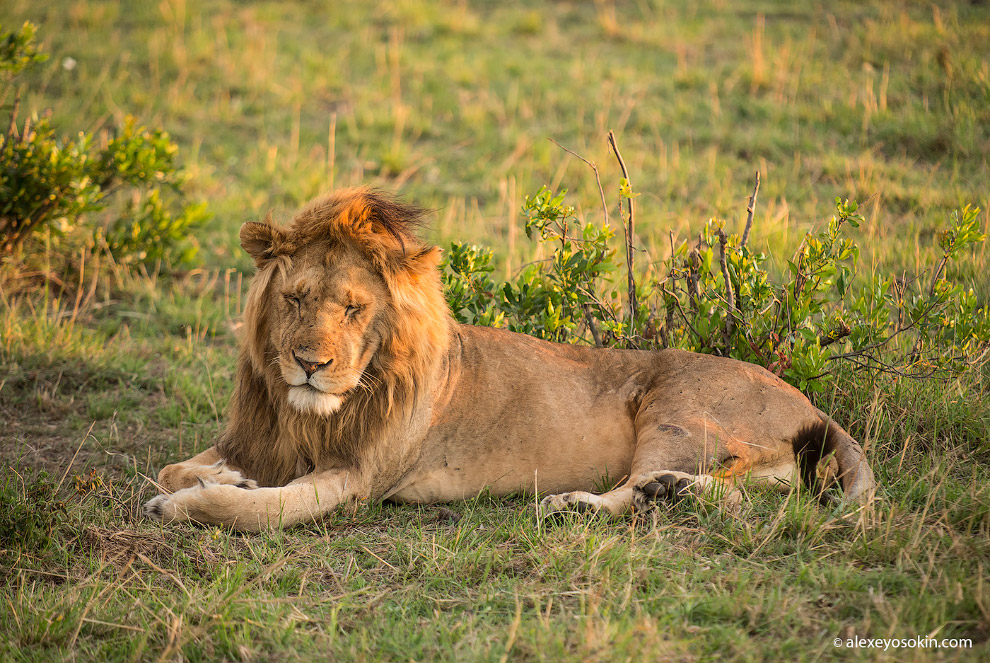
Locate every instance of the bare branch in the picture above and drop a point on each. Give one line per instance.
(938, 274)
(669, 322)
(749, 212)
(628, 229)
(873, 363)
(835, 335)
(593, 326)
(680, 309)
(730, 315)
(594, 167)
(865, 351)
(693, 264)
(602, 308)
(916, 349)
(12, 129)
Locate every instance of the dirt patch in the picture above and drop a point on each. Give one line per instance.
(61, 441)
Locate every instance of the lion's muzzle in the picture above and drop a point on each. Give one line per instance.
(310, 366)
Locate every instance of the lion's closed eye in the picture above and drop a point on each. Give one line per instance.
(294, 301)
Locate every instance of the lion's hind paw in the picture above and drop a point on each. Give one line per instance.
(671, 487)
(667, 488)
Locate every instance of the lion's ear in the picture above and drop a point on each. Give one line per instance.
(424, 260)
(261, 241)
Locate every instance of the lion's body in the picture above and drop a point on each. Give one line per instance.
(503, 425)
(354, 383)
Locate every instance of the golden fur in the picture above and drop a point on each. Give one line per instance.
(269, 440)
(353, 382)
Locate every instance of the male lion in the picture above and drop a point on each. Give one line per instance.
(355, 383)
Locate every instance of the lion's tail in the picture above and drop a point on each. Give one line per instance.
(829, 439)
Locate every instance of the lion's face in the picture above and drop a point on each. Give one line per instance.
(345, 282)
(323, 325)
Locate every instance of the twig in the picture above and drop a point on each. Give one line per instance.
(593, 326)
(628, 229)
(730, 316)
(749, 212)
(69, 466)
(937, 274)
(680, 309)
(899, 288)
(693, 264)
(835, 335)
(799, 279)
(669, 323)
(12, 127)
(605, 310)
(916, 349)
(864, 351)
(864, 362)
(598, 179)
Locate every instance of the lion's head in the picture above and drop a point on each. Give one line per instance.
(343, 318)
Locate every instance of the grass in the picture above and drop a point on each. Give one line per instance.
(452, 104)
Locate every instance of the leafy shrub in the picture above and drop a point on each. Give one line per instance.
(56, 183)
(29, 512)
(549, 299)
(717, 295)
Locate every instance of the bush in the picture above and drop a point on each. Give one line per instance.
(57, 183)
(30, 512)
(716, 295)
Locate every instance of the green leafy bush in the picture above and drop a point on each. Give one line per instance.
(549, 298)
(716, 295)
(30, 512)
(57, 183)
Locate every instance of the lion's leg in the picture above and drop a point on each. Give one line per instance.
(650, 489)
(674, 458)
(671, 461)
(615, 501)
(203, 468)
(306, 498)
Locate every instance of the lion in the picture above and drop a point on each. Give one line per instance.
(355, 383)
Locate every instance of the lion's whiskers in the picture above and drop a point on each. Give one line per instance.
(372, 382)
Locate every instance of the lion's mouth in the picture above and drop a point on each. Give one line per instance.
(307, 398)
(311, 387)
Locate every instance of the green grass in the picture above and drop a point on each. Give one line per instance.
(452, 105)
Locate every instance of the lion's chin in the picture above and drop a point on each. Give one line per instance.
(312, 401)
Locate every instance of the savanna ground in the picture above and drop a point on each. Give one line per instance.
(452, 104)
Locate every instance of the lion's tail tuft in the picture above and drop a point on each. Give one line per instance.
(827, 438)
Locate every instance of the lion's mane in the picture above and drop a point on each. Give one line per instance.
(273, 442)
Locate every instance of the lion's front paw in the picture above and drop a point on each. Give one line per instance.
(180, 505)
(157, 507)
(179, 476)
(209, 504)
(225, 475)
(577, 502)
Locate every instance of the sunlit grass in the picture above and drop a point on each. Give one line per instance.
(452, 105)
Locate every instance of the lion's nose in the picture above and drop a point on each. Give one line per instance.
(310, 366)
